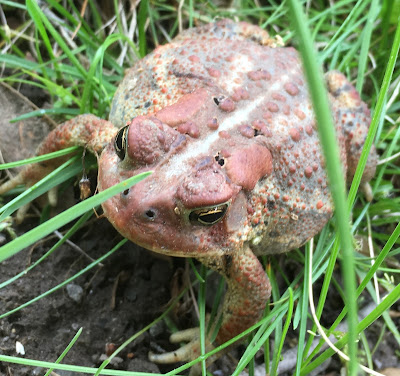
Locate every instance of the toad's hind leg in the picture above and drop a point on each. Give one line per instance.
(244, 303)
(354, 118)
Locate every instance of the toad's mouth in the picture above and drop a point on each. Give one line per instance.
(155, 218)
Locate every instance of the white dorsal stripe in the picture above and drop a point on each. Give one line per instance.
(177, 165)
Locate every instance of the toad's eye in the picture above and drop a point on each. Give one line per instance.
(120, 142)
(209, 215)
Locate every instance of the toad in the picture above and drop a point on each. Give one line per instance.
(223, 118)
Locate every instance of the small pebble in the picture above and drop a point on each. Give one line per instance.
(75, 292)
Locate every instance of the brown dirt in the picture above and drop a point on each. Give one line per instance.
(137, 280)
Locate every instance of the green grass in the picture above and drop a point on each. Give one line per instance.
(360, 38)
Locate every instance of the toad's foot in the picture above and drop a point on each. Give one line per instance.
(188, 352)
(367, 190)
(244, 303)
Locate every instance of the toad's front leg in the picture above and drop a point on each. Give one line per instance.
(85, 130)
(248, 292)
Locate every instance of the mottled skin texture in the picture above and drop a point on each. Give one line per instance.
(223, 118)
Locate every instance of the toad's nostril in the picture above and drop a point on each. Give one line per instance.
(125, 192)
(150, 214)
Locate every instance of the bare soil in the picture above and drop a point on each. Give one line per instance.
(110, 303)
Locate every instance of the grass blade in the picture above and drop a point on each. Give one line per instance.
(386, 303)
(70, 214)
(69, 233)
(39, 158)
(334, 170)
(376, 116)
(65, 352)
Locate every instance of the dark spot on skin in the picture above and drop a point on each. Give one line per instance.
(147, 104)
(274, 234)
(218, 100)
(270, 204)
(220, 160)
(227, 264)
(126, 192)
(192, 76)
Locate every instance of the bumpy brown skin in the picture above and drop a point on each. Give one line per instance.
(223, 118)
